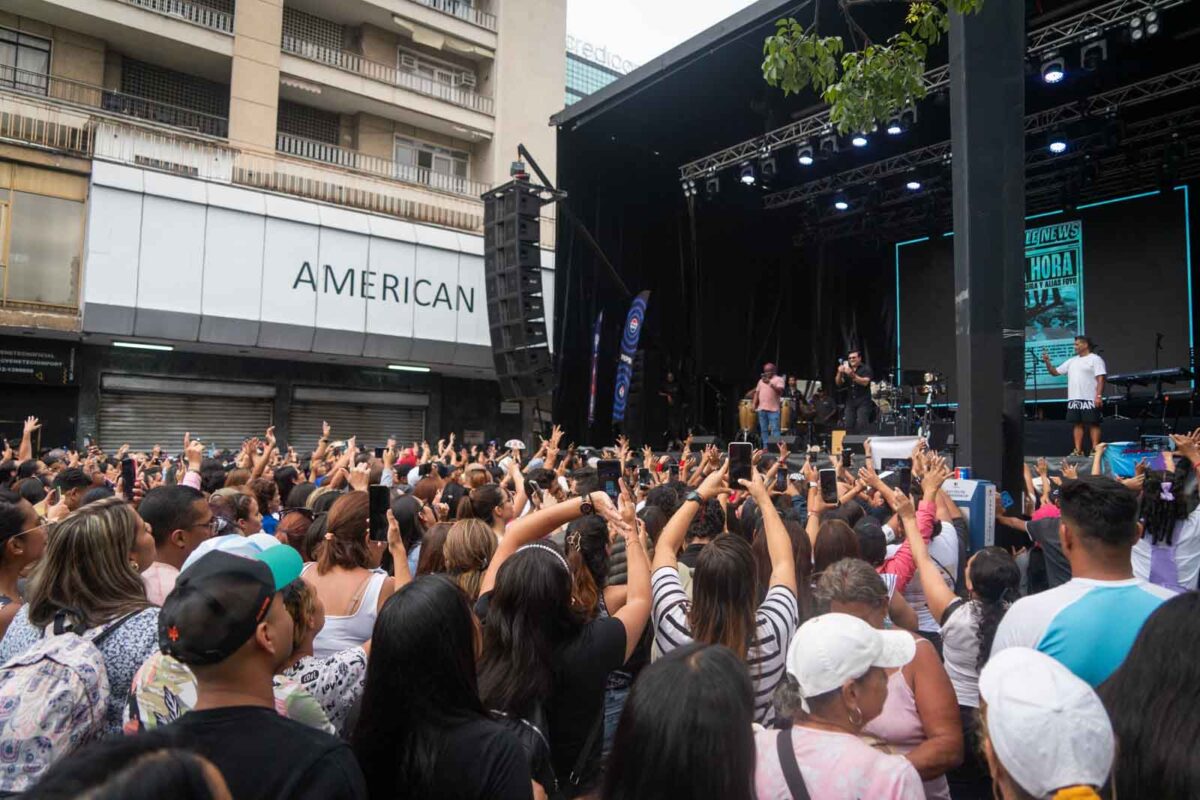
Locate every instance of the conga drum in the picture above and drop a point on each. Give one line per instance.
(786, 412)
(747, 419)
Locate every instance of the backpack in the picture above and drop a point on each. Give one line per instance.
(53, 699)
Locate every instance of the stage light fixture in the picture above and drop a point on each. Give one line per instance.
(1136, 31)
(804, 155)
(767, 168)
(689, 187)
(1054, 69)
(712, 186)
(828, 147)
(747, 174)
(841, 202)
(894, 128)
(1093, 54)
(912, 181)
(1151, 22)
(859, 140)
(908, 118)
(1056, 142)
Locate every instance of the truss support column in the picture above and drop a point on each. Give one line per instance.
(987, 112)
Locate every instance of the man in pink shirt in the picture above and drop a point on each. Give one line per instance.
(767, 395)
(179, 519)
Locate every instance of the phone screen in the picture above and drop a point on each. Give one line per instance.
(379, 452)
(904, 479)
(781, 479)
(740, 454)
(128, 477)
(1006, 499)
(643, 477)
(828, 482)
(608, 470)
(378, 500)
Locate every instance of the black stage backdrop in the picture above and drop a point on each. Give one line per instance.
(1135, 285)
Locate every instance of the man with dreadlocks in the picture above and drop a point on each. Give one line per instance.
(1168, 553)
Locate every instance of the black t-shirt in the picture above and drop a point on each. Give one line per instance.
(264, 756)
(857, 391)
(1045, 533)
(482, 760)
(691, 554)
(576, 703)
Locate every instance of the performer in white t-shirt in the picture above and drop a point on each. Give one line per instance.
(1085, 373)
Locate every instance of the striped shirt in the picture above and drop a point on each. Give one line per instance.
(775, 622)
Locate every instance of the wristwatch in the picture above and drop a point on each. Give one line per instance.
(694, 495)
(586, 507)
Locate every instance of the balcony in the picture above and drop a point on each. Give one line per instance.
(202, 15)
(86, 96)
(464, 11)
(373, 165)
(387, 74)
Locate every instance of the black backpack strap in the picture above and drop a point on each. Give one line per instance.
(582, 759)
(791, 769)
(112, 627)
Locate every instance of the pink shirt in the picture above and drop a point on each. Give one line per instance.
(835, 766)
(1047, 511)
(767, 394)
(160, 580)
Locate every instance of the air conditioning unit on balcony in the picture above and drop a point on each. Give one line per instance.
(468, 79)
(408, 62)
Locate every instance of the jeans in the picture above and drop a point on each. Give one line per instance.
(858, 415)
(768, 425)
(614, 702)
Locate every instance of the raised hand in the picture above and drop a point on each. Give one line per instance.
(325, 429)
(1069, 471)
(716, 483)
(271, 436)
(32, 424)
(360, 477)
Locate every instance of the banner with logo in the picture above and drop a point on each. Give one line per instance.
(595, 366)
(629, 341)
(1053, 298)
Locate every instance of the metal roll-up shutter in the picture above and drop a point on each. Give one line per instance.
(372, 417)
(143, 412)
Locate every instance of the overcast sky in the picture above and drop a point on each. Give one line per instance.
(639, 30)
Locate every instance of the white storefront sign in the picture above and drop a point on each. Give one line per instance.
(176, 258)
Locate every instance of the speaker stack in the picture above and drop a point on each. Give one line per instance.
(512, 262)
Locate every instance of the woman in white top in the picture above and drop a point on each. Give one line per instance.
(1168, 553)
(968, 628)
(347, 577)
(835, 685)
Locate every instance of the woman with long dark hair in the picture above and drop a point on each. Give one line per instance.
(1152, 700)
(22, 542)
(491, 503)
(725, 607)
(542, 661)
(968, 630)
(1168, 553)
(835, 540)
(689, 705)
(802, 547)
(423, 732)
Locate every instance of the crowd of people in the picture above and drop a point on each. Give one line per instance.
(516, 626)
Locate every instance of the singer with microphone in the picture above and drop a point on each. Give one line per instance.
(856, 375)
(766, 395)
(1085, 373)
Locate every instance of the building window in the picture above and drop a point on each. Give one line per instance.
(435, 70)
(439, 167)
(585, 77)
(309, 123)
(179, 89)
(312, 29)
(45, 236)
(24, 61)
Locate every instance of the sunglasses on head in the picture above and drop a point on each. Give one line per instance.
(301, 510)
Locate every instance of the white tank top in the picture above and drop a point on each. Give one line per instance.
(350, 630)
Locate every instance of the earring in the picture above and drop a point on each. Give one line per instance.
(850, 714)
(133, 565)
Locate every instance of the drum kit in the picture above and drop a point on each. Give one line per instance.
(904, 401)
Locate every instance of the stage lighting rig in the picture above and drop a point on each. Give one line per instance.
(1054, 69)
(1152, 23)
(746, 175)
(767, 168)
(841, 202)
(859, 140)
(912, 181)
(804, 155)
(712, 186)
(1056, 142)
(1091, 55)
(689, 188)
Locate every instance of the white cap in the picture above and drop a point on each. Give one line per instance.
(1047, 726)
(235, 543)
(831, 649)
(515, 444)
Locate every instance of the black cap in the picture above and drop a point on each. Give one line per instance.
(219, 601)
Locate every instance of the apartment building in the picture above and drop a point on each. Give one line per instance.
(279, 198)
